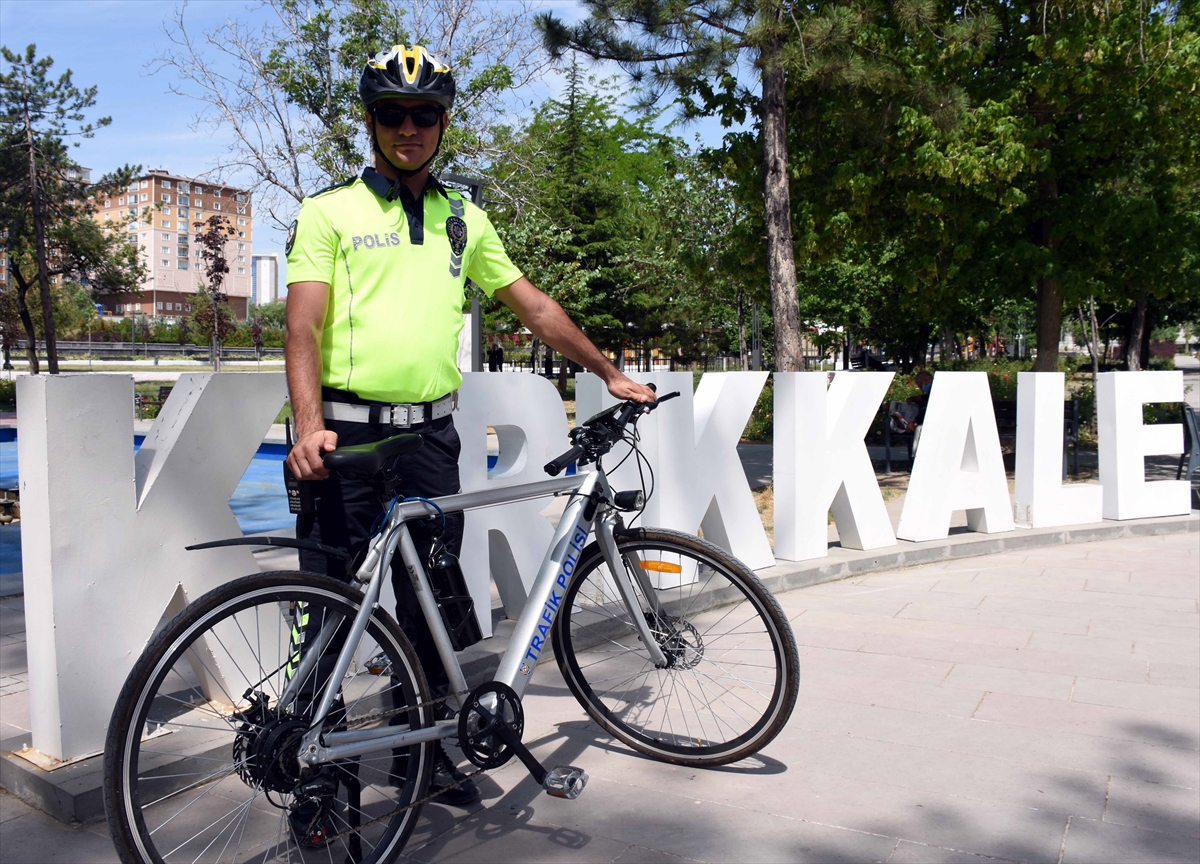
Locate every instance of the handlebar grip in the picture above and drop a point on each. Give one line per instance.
(555, 466)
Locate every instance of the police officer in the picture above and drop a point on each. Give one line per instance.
(377, 267)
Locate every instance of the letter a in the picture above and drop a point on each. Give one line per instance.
(959, 465)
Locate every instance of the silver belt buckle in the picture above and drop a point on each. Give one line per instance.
(400, 416)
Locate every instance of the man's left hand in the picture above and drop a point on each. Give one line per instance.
(623, 388)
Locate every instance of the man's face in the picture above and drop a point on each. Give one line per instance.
(407, 145)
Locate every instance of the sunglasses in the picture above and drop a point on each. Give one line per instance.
(392, 116)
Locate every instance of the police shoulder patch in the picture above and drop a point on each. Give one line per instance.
(291, 237)
(456, 232)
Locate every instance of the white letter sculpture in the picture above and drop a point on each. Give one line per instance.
(1125, 440)
(691, 443)
(958, 465)
(1042, 499)
(103, 531)
(510, 541)
(821, 462)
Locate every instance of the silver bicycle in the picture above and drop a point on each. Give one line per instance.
(287, 692)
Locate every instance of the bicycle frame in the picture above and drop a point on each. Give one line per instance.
(590, 508)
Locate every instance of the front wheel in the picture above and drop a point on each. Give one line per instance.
(732, 671)
(201, 757)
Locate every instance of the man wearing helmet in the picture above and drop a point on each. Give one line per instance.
(377, 268)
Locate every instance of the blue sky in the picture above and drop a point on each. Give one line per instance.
(110, 43)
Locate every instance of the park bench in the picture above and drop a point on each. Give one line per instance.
(1189, 460)
(141, 402)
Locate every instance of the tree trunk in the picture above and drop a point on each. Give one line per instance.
(1049, 292)
(42, 256)
(1137, 335)
(781, 257)
(563, 369)
(741, 325)
(35, 366)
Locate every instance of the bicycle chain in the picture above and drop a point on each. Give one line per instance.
(421, 801)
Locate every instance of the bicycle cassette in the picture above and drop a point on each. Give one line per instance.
(489, 706)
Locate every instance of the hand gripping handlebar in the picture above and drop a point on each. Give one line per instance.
(597, 435)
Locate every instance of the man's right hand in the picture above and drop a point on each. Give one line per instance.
(305, 458)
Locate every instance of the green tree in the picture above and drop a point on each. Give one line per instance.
(37, 115)
(292, 107)
(692, 47)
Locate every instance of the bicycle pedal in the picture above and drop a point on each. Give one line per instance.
(565, 781)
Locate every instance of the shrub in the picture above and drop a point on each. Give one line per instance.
(8, 394)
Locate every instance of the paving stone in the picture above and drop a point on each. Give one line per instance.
(1075, 605)
(893, 693)
(1156, 699)
(642, 855)
(1154, 806)
(1023, 621)
(1021, 682)
(35, 838)
(1145, 587)
(907, 852)
(1154, 652)
(907, 629)
(1031, 659)
(1036, 748)
(1188, 636)
(1099, 720)
(1088, 646)
(873, 665)
(1091, 841)
(1034, 589)
(1173, 674)
(491, 835)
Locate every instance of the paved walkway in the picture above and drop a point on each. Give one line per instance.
(1040, 706)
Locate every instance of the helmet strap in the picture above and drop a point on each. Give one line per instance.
(405, 173)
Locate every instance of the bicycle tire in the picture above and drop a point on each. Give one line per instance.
(636, 708)
(174, 755)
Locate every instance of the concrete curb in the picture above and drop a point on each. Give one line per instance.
(74, 793)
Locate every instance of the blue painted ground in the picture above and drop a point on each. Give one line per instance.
(259, 503)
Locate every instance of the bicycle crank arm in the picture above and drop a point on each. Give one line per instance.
(563, 781)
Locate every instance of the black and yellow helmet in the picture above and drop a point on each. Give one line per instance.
(407, 72)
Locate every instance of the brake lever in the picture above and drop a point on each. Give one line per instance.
(661, 399)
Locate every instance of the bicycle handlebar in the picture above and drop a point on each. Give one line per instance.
(555, 466)
(597, 436)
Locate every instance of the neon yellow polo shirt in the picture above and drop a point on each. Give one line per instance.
(396, 272)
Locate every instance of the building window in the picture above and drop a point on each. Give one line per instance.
(197, 265)
(216, 193)
(120, 202)
(183, 199)
(217, 205)
(241, 246)
(166, 223)
(183, 212)
(166, 263)
(108, 203)
(166, 184)
(240, 197)
(158, 304)
(137, 306)
(166, 250)
(183, 264)
(132, 238)
(145, 183)
(242, 210)
(166, 197)
(241, 270)
(166, 236)
(242, 258)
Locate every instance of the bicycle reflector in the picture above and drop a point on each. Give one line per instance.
(660, 566)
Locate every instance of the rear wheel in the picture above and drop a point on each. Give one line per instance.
(200, 761)
(732, 671)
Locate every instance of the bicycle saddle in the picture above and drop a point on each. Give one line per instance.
(370, 458)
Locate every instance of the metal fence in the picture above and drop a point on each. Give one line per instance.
(141, 350)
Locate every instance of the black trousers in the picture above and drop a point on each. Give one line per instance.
(347, 508)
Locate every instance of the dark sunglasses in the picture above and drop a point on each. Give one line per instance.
(392, 116)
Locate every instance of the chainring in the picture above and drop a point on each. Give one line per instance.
(489, 704)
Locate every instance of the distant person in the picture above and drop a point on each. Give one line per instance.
(908, 417)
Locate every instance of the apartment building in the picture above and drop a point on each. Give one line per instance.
(158, 213)
(264, 278)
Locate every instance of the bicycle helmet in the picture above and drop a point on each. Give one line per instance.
(406, 73)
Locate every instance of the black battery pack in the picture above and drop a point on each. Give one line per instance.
(453, 599)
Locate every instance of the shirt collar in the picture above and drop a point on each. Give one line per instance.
(382, 186)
